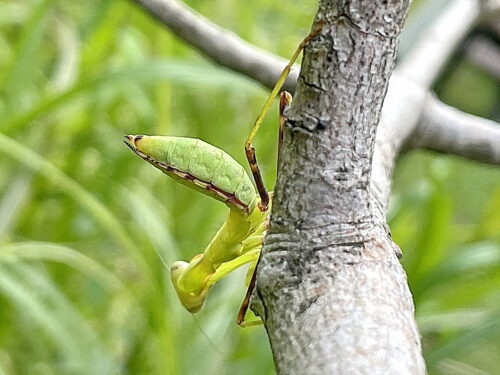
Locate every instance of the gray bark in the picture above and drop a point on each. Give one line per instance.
(330, 287)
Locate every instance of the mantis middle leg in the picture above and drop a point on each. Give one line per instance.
(285, 100)
(249, 149)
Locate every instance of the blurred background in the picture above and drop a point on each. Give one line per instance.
(85, 224)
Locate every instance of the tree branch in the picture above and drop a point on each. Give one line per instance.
(428, 57)
(458, 133)
(331, 290)
(408, 91)
(485, 53)
(492, 8)
(218, 44)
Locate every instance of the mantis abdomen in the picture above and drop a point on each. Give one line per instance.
(198, 165)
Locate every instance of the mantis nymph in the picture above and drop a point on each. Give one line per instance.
(210, 170)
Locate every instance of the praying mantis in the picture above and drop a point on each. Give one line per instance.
(209, 170)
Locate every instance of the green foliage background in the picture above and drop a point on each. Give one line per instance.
(85, 225)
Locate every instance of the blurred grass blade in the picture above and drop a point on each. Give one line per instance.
(13, 200)
(150, 216)
(432, 244)
(478, 256)
(22, 63)
(451, 367)
(488, 329)
(51, 311)
(104, 217)
(62, 254)
(432, 323)
(66, 70)
(175, 71)
(100, 22)
(489, 226)
(94, 207)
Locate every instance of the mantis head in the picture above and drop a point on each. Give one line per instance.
(191, 300)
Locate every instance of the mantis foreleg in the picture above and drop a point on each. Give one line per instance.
(237, 242)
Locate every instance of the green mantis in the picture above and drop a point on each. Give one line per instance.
(211, 171)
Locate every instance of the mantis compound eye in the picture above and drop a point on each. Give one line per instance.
(177, 267)
(191, 301)
(132, 140)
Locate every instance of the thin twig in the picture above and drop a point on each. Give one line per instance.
(458, 133)
(220, 45)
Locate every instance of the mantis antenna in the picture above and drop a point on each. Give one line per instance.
(249, 149)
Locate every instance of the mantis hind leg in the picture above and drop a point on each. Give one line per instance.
(240, 319)
(285, 101)
(249, 149)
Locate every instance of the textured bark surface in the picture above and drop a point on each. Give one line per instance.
(330, 287)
